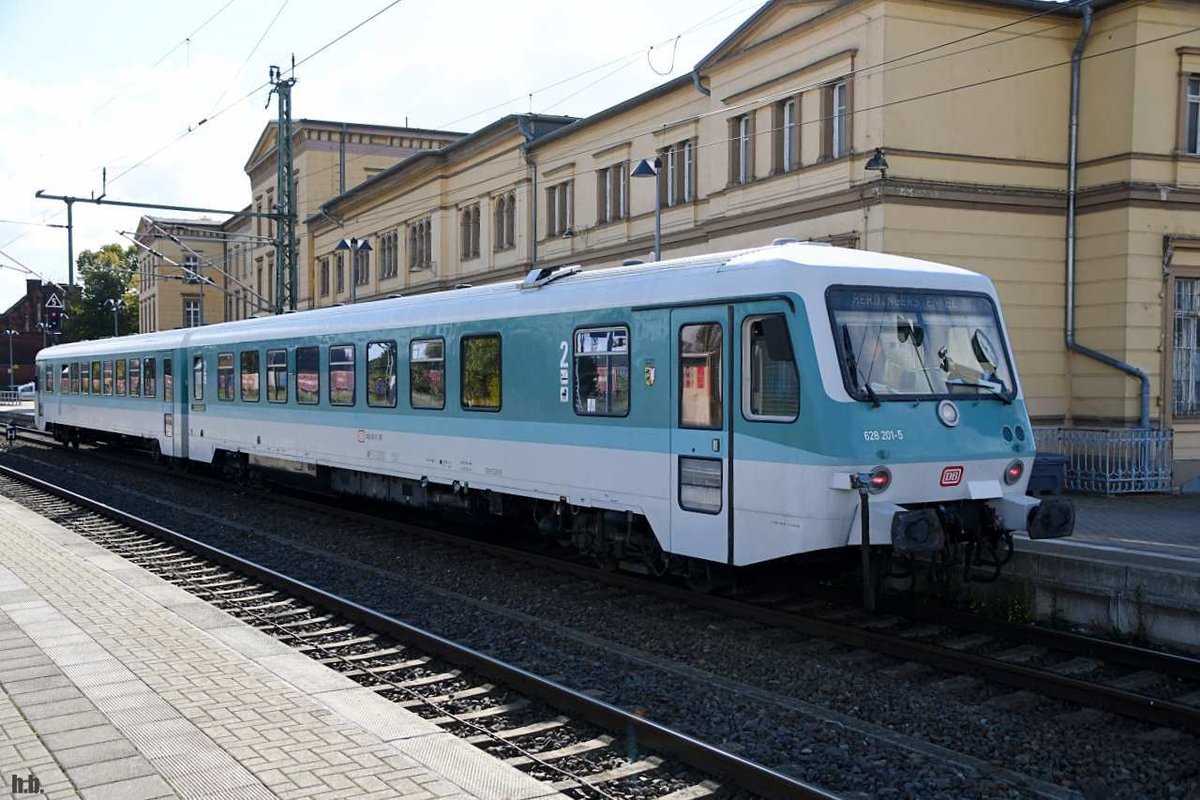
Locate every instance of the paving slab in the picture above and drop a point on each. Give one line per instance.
(117, 684)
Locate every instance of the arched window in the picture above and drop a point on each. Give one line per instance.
(510, 221)
(498, 229)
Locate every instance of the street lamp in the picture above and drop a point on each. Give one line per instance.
(648, 169)
(11, 333)
(115, 305)
(354, 246)
(877, 163)
(44, 328)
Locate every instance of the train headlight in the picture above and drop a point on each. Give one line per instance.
(947, 413)
(1014, 471)
(881, 478)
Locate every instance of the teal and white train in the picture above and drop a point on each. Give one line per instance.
(715, 410)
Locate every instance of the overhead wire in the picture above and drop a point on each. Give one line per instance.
(250, 55)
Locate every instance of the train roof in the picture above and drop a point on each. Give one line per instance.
(719, 276)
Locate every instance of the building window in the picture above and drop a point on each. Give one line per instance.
(481, 372)
(389, 255)
(191, 268)
(787, 135)
(613, 188)
(324, 277)
(362, 266)
(741, 149)
(1192, 142)
(676, 176)
(1186, 353)
(469, 232)
(836, 119)
(506, 222)
(420, 244)
(560, 208)
(191, 313)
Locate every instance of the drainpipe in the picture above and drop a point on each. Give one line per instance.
(1072, 180)
(699, 86)
(525, 126)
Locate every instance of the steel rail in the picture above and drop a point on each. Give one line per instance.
(708, 759)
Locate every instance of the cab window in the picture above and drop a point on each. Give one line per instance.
(770, 383)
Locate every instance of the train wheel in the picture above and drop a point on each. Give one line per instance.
(704, 578)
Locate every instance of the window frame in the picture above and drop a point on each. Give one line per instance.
(231, 369)
(286, 376)
(242, 372)
(747, 380)
(462, 370)
(135, 367)
(329, 364)
(1191, 123)
(148, 389)
(75, 378)
(411, 363)
(719, 381)
(317, 392)
(395, 373)
(64, 378)
(575, 370)
(106, 377)
(198, 361)
(1173, 318)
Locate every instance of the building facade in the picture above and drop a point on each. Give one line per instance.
(968, 102)
(27, 331)
(179, 266)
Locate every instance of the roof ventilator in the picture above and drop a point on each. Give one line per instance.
(538, 278)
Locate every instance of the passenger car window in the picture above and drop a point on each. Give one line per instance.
(224, 376)
(75, 379)
(481, 372)
(250, 376)
(381, 374)
(277, 376)
(97, 377)
(602, 371)
(64, 383)
(427, 373)
(135, 377)
(168, 381)
(700, 402)
(48, 379)
(121, 377)
(198, 377)
(770, 383)
(108, 377)
(149, 378)
(308, 375)
(341, 375)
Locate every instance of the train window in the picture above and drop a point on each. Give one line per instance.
(341, 375)
(168, 381)
(770, 383)
(602, 371)
(427, 373)
(481, 372)
(308, 375)
(75, 379)
(277, 376)
(48, 378)
(149, 378)
(121, 377)
(107, 385)
(135, 377)
(250, 376)
(381, 374)
(224, 376)
(198, 377)
(700, 401)
(64, 380)
(97, 377)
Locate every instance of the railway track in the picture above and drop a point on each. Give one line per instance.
(579, 745)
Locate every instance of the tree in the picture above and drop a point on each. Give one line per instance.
(109, 273)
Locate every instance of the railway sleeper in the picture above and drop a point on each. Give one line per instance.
(509, 734)
(617, 773)
(481, 713)
(462, 694)
(599, 743)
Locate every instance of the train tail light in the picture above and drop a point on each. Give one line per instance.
(881, 478)
(1014, 471)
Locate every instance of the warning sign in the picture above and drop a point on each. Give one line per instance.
(54, 302)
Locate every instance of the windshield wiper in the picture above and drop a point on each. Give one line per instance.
(996, 389)
(852, 363)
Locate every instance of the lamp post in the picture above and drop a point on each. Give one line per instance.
(115, 305)
(354, 246)
(877, 163)
(648, 169)
(10, 333)
(44, 328)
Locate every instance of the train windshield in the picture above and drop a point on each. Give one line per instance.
(902, 344)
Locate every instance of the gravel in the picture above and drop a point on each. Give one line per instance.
(856, 723)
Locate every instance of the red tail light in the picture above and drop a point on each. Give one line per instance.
(1014, 471)
(881, 478)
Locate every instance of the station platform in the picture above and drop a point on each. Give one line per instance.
(116, 684)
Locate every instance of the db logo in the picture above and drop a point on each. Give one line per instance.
(952, 476)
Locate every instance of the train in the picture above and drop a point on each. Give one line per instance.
(685, 417)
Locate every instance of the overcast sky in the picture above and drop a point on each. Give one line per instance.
(89, 84)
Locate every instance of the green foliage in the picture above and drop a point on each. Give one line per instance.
(108, 273)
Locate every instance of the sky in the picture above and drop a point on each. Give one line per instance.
(92, 84)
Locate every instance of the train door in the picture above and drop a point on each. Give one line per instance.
(701, 476)
(174, 407)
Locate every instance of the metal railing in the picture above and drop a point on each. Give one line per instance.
(10, 398)
(1112, 460)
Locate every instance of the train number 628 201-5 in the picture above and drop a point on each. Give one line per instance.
(886, 435)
